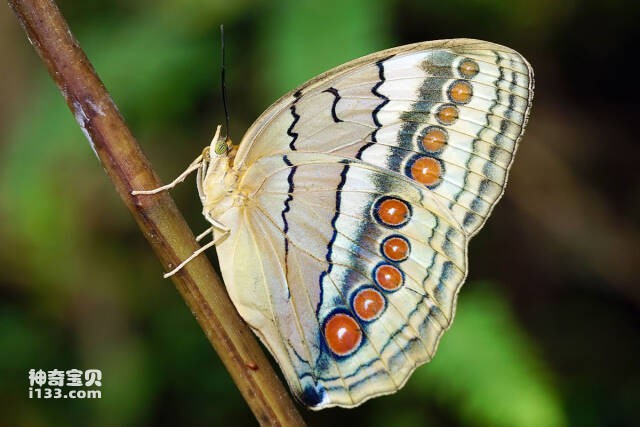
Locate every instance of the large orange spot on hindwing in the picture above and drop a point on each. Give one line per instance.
(426, 170)
(393, 212)
(388, 277)
(368, 304)
(342, 334)
(395, 248)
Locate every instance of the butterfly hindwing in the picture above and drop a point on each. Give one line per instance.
(339, 268)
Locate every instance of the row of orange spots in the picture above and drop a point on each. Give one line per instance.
(429, 170)
(395, 213)
(459, 92)
(342, 332)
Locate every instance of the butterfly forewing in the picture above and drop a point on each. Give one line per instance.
(359, 192)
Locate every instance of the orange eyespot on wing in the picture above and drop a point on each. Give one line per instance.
(434, 139)
(447, 114)
(388, 277)
(468, 69)
(395, 248)
(368, 304)
(426, 170)
(460, 92)
(342, 334)
(391, 212)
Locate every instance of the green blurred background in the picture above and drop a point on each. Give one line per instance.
(547, 331)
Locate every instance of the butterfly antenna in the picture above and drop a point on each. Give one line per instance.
(224, 85)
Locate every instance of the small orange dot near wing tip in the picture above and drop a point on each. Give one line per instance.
(368, 303)
(388, 277)
(469, 68)
(342, 334)
(426, 170)
(393, 211)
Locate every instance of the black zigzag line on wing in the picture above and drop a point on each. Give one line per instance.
(296, 117)
(337, 97)
(286, 209)
(292, 172)
(343, 180)
(374, 113)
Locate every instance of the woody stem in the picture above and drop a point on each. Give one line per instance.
(156, 215)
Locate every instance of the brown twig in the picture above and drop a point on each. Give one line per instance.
(157, 215)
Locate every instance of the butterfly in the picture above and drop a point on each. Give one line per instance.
(342, 219)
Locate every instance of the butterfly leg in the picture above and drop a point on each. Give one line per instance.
(195, 165)
(195, 254)
(203, 234)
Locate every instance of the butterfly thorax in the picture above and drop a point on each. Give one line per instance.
(218, 183)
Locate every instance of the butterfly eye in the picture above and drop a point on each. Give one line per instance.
(221, 147)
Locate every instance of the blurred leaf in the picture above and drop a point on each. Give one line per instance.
(487, 371)
(152, 76)
(23, 345)
(197, 15)
(498, 20)
(304, 38)
(127, 385)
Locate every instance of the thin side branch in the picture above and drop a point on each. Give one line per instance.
(156, 215)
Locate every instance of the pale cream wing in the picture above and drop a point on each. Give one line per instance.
(349, 300)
